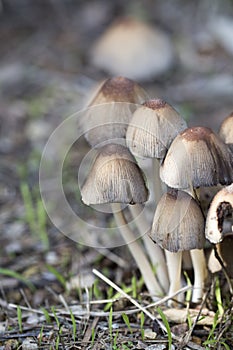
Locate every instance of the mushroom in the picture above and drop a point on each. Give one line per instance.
(106, 121)
(116, 178)
(151, 130)
(178, 226)
(197, 157)
(133, 48)
(221, 209)
(226, 131)
(109, 111)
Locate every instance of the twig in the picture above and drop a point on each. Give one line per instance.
(88, 333)
(133, 301)
(224, 269)
(187, 337)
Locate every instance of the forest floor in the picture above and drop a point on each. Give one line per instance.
(49, 296)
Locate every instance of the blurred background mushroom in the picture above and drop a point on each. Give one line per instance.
(133, 48)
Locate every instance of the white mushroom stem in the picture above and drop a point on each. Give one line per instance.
(157, 183)
(174, 261)
(136, 251)
(155, 253)
(200, 273)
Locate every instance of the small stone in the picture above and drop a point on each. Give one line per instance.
(149, 334)
(29, 344)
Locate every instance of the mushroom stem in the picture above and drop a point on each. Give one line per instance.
(157, 183)
(154, 251)
(136, 251)
(200, 273)
(174, 261)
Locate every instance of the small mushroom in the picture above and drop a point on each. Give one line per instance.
(197, 157)
(226, 131)
(219, 217)
(109, 111)
(178, 226)
(133, 48)
(115, 178)
(152, 128)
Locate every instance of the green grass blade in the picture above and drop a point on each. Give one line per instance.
(110, 322)
(19, 317)
(18, 276)
(46, 315)
(166, 324)
(142, 321)
(74, 325)
(30, 216)
(219, 297)
(126, 320)
(57, 274)
(42, 220)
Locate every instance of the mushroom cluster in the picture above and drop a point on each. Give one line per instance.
(124, 125)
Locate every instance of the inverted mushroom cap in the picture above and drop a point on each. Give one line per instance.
(178, 223)
(114, 178)
(152, 128)
(134, 49)
(108, 114)
(220, 209)
(226, 131)
(197, 157)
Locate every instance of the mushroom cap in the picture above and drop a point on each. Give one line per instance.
(197, 157)
(132, 48)
(221, 207)
(178, 223)
(226, 130)
(108, 114)
(114, 178)
(152, 128)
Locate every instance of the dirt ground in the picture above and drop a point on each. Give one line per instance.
(46, 75)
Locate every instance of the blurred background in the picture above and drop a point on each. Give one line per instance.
(51, 57)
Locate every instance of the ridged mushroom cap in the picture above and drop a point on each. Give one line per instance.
(133, 48)
(114, 178)
(220, 209)
(197, 157)
(152, 128)
(178, 223)
(108, 114)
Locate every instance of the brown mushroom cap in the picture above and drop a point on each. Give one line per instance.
(114, 178)
(178, 223)
(152, 128)
(108, 114)
(221, 207)
(134, 49)
(197, 157)
(226, 131)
